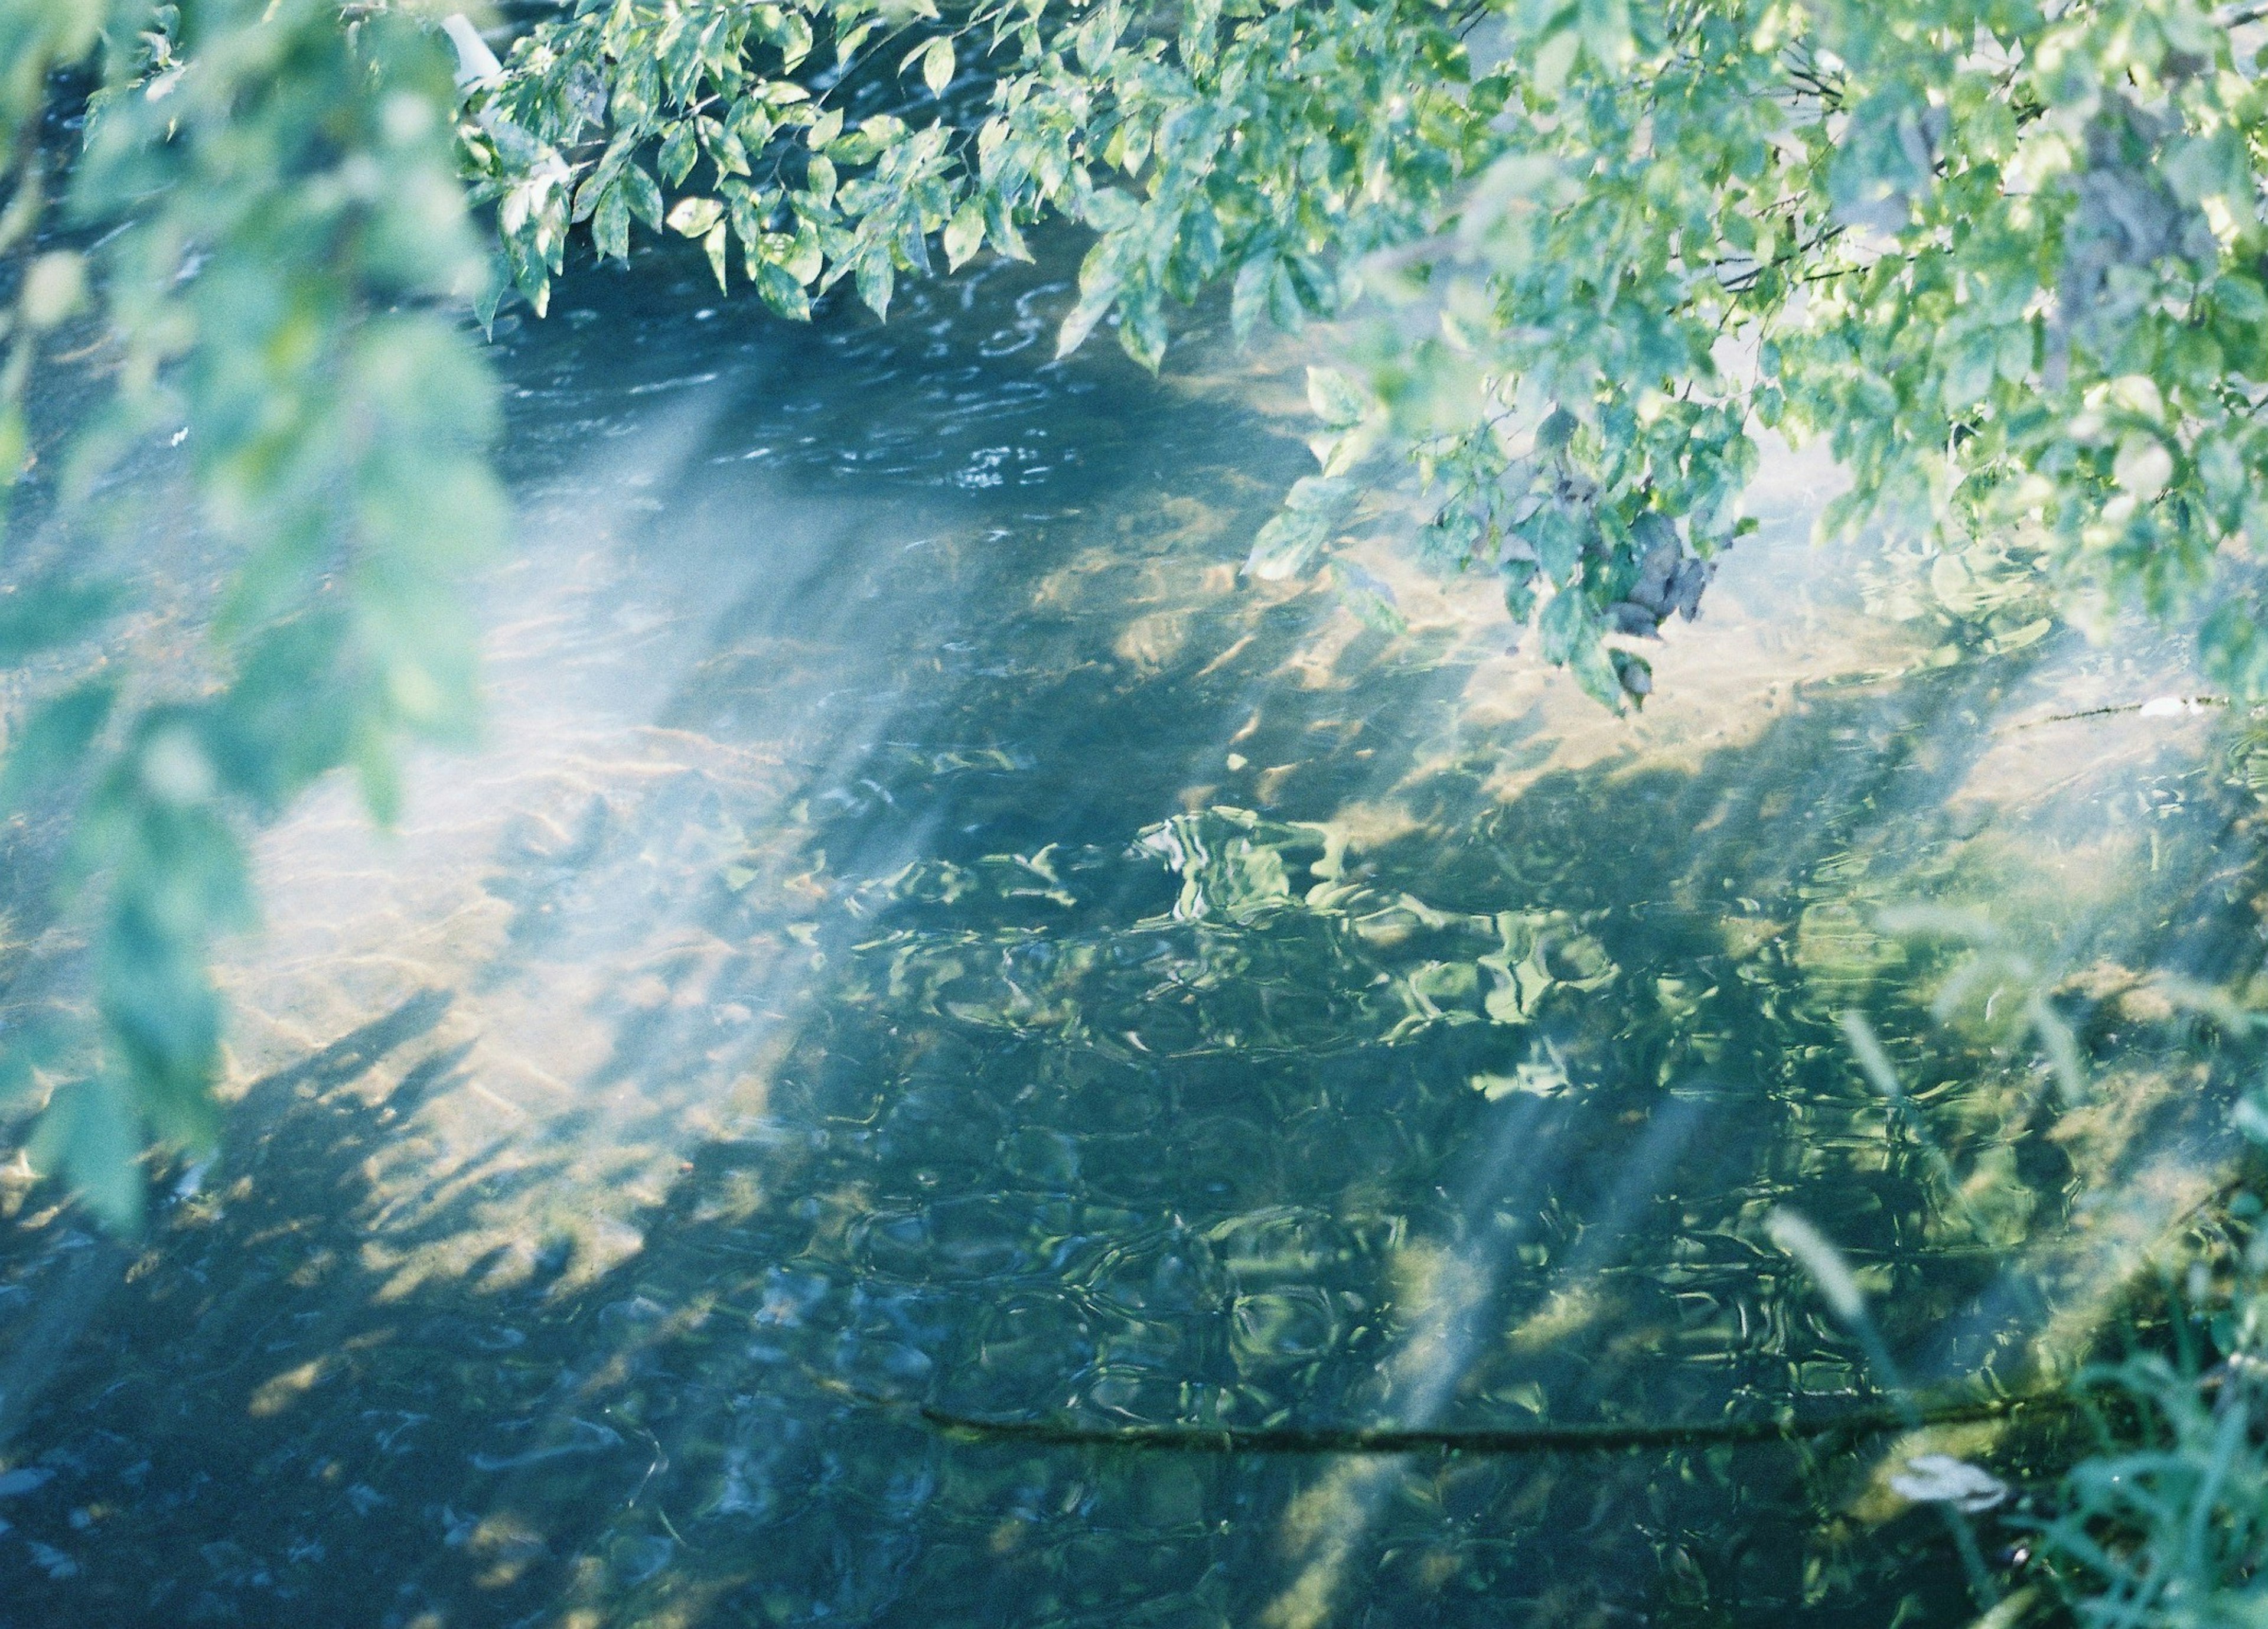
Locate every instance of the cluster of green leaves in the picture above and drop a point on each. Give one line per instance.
(1269, 147)
(1271, 143)
(2168, 1526)
(2165, 1526)
(280, 256)
(2004, 256)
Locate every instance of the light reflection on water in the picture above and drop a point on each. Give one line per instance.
(923, 928)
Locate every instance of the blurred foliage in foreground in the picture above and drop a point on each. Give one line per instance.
(276, 253)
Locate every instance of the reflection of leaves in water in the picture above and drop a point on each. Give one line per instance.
(1976, 596)
(1270, 947)
(2247, 757)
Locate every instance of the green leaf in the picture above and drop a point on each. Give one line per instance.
(1634, 673)
(1553, 60)
(588, 191)
(678, 154)
(1557, 533)
(91, 1134)
(1248, 296)
(715, 244)
(819, 177)
(795, 42)
(52, 611)
(780, 290)
(1606, 28)
(1142, 330)
(1000, 228)
(1564, 625)
(1573, 639)
(724, 149)
(1320, 495)
(1286, 308)
(1098, 284)
(964, 234)
(875, 276)
(643, 196)
(1287, 546)
(753, 124)
(1110, 210)
(802, 255)
(52, 741)
(1519, 592)
(695, 217)
(1370, 597)
(1336, 399)
(1971, 364)
(937, 64)
(610, 223)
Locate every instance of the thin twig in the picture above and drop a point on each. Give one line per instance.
(1601, 1437)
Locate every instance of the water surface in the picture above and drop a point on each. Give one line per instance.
(924, 930)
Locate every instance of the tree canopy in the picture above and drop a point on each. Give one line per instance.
(2006, 258)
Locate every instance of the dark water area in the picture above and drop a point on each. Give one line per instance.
(924, 930)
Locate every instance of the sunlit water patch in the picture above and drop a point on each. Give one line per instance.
(925, 931)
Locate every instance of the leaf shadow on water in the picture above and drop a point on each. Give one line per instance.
(249, 1422)
(971, 1029)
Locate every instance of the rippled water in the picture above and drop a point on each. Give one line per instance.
(924, 931)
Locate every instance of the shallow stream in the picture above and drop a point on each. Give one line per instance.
(924, 930)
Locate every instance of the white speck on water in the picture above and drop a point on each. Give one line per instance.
(2171, 707)
(1941, 1479)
